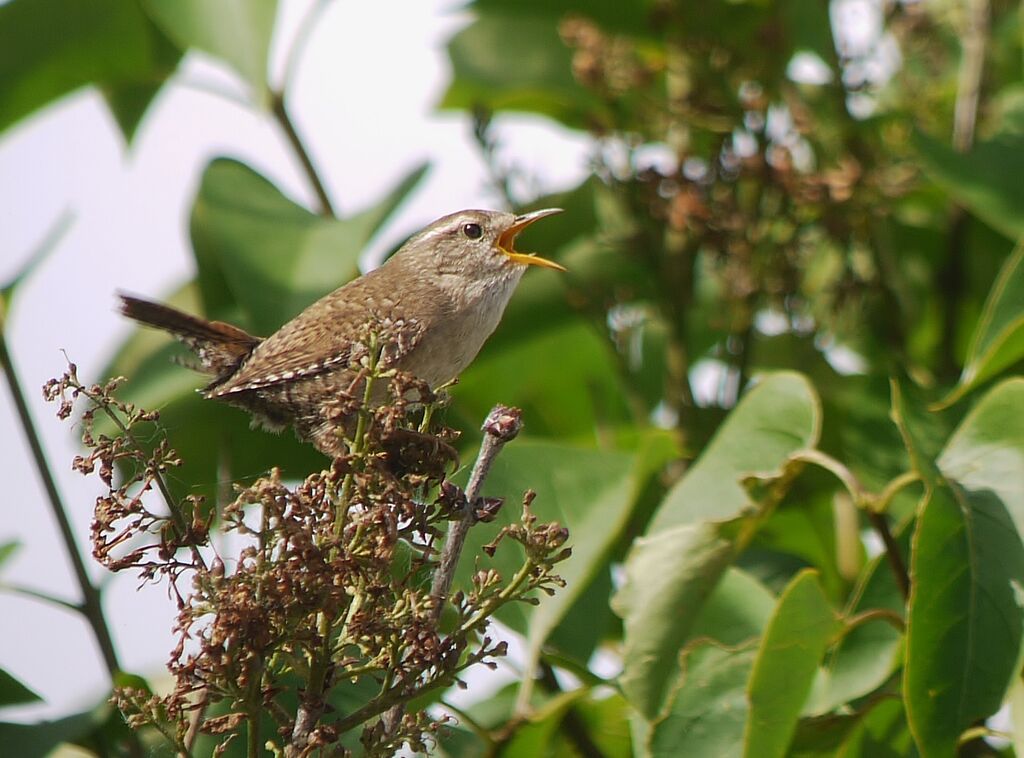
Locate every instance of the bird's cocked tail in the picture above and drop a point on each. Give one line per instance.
(220, 347)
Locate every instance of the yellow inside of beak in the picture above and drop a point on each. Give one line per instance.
(507, 245)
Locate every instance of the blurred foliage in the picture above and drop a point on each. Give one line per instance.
(817, 563)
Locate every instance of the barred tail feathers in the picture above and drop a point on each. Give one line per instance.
(219, 346)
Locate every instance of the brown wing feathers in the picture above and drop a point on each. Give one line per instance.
(220, 347)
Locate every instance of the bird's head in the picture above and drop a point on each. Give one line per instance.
(475, 245)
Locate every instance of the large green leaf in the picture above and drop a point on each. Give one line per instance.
(49, 48)
(669, 576)
(986, 179)
(736, 611)
(964, 619)
(778, 417)
(563, 379)
(998, 340)
(964, 624)
(272, 257)
(235, 31)
(671, 570)
(787, 660)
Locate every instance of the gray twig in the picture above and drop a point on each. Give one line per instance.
(501, 426)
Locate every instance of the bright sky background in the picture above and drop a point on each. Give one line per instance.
(364, 101)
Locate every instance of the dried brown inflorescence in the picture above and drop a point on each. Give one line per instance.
(319, 618)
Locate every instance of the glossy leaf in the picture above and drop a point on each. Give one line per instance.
(778, 417)
(965, 630)
(998, 340)
(237, 32)
(965, 616)
(986, 452)
(787, 660)
(129, 100)
(49, 48)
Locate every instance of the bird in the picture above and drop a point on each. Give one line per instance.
(439, 297)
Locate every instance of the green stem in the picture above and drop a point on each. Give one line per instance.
(876, 614)
(280, 111)
(893, 488)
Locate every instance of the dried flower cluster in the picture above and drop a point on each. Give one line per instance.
(320, 618)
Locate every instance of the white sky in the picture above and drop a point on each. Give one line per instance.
(365, 96)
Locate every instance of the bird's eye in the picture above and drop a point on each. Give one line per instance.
(473, 231)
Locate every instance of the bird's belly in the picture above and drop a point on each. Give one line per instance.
(451, 345)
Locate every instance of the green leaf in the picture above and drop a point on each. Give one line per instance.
(788, 657)
(565, 393)
(591, 492)
(259, 250)
(998, 340)
(882, 733)
(606, 720)
(669, 576)
(964, 618)
(536, 736)
(964, 629)
(986, 452)
(237, 32)
(737, 610)
(986, 179)
(49, 48)
(778, 417)
(13, 692)
(129, 100)
(671, 570)
(708, 706)
(732, 618)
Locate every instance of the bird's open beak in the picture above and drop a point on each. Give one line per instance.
(507, 240)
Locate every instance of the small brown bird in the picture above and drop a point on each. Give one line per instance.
(440, 297)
